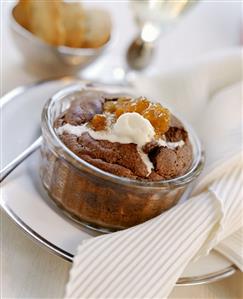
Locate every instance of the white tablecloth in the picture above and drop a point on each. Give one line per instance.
(29, 271)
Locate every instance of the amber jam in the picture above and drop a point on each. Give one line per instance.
(158, 116)
(98, 122)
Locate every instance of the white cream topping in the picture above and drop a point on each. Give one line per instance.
(129, 128)
(145, 160)
(171, 145)
(71, 129)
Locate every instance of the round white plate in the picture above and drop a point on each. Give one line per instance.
(27, 203)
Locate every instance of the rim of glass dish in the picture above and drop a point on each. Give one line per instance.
(80, 164)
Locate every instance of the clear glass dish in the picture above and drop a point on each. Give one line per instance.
(97, 198)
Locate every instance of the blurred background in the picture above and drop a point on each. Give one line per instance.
(208, 27)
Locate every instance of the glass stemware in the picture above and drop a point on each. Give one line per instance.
(153, 18)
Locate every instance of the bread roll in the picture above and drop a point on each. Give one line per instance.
(46, 21)
(22, 13)
(97, 28)
(73, 17)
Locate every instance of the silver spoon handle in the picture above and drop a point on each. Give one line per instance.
(19, 159)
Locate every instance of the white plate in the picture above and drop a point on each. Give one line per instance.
(27, 203)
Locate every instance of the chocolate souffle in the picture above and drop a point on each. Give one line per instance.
(130, 138)
(85, 127)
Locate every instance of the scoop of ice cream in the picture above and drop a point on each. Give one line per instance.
(129, 128)
(135, 128)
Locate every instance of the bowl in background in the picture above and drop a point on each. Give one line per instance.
(53, 60)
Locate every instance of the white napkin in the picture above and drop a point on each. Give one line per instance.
(146, 261)
(232, 248)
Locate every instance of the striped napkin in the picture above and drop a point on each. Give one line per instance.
(147, 260)
(232, 248)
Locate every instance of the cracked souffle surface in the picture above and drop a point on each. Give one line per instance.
(128, 137)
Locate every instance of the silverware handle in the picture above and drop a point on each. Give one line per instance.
(19, 159)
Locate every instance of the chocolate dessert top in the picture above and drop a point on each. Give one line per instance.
(128, 137)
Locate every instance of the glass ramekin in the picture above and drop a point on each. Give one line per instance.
(97, 198)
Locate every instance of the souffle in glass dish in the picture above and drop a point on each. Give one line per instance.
(111, 160)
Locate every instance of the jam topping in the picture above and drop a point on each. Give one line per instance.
(98, 122)
(158, 116)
